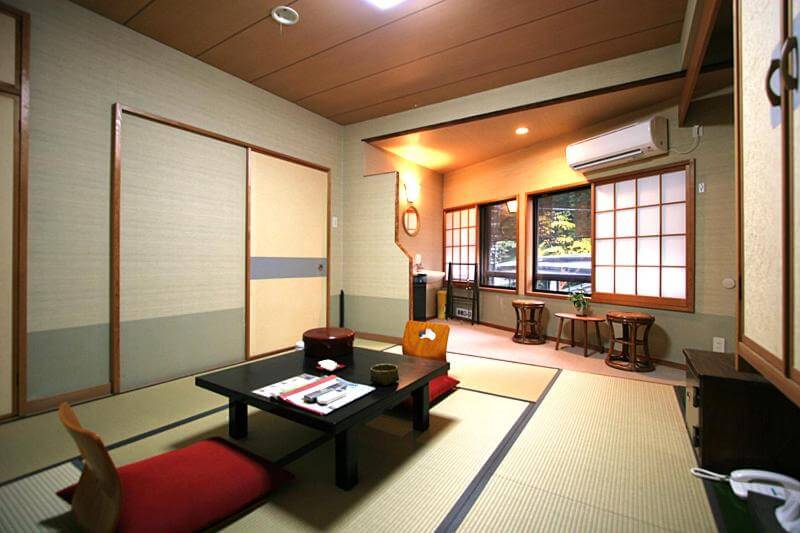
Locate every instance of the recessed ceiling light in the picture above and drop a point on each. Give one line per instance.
(522, 130)
(285, 15)
(385, 4)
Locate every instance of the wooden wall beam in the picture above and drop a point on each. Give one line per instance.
(707, 11)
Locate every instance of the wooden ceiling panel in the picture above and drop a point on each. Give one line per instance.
(611, 49)
(262, 49)
(194, 26)
(350, 61)
(530, 42)
(117, 10)
(415, 37)
(447, 148)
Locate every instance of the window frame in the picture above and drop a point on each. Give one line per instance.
(654, 302)
(444, 237)
(481, 252)
(530, 284)
(478, 247)
(686, 305)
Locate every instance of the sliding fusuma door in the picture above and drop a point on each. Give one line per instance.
(182, 252)
(288, 252)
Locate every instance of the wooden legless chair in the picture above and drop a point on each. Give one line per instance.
(97, 500)
(423, 347)
(417, 346)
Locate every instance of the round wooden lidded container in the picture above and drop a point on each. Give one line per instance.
(324, 343)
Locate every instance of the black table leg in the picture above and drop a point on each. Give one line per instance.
(237, 419)
(421, 400)
(346, 460)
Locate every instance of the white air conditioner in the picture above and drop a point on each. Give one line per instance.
(635, 141)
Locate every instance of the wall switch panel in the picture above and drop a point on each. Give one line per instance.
(335, 222)
(719, 344)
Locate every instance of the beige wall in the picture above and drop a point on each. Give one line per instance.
(389, 284)
(80, 65)
(544, 166)
(428, 241)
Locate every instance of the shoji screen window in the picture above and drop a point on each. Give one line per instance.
(644, 239)
(460, 242)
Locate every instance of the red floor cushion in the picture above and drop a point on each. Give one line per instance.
(192, 488)
(439, 386)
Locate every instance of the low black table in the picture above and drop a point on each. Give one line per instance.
(415, 375)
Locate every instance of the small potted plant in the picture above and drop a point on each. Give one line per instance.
(579, 300)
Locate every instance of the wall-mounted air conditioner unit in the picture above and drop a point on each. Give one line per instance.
(635, 141)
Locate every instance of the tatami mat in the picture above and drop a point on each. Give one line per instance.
(31, 504)
(371, 345)
(598, 453)
(408, 481)
(114, 418)
(31, 500)
(523, 381)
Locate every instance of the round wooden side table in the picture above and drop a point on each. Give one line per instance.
(630, 358)
(529, 322)
(585, 319)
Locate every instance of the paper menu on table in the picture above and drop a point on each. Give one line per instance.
(287, 385)
(352, 392)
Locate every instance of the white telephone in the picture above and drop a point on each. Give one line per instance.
(743, 482)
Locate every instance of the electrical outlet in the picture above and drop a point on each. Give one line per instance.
(719, 344)
(701, 187)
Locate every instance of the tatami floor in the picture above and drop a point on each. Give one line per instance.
(518, 447)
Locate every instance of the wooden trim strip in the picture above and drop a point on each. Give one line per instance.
(788, 158)
(219, 137)
(19, 360)
(552, 101)
(379, 338)
(116, 175)
(739, 362)
(329, 217)
(770, 371)
(7, 87)
(699, 45)
(248, 173)
(49, 403)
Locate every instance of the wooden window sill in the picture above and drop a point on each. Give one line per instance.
(498, 290)
(552, 295)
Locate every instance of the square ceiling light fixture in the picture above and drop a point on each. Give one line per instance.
(385, 4)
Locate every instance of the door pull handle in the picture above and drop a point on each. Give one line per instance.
(774, 99)
(789, 46)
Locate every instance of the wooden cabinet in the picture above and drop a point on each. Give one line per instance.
(768, 166)
(738, 419)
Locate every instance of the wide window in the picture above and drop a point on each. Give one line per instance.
(499, 245)
(644, 239)
(562, 241)
(460, 242)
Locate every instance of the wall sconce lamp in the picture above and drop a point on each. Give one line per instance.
(412, 191)
(512, 206)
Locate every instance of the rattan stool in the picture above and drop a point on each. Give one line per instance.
(529, 322)
(629, 357)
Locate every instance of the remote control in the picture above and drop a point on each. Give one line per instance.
(330, 397)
